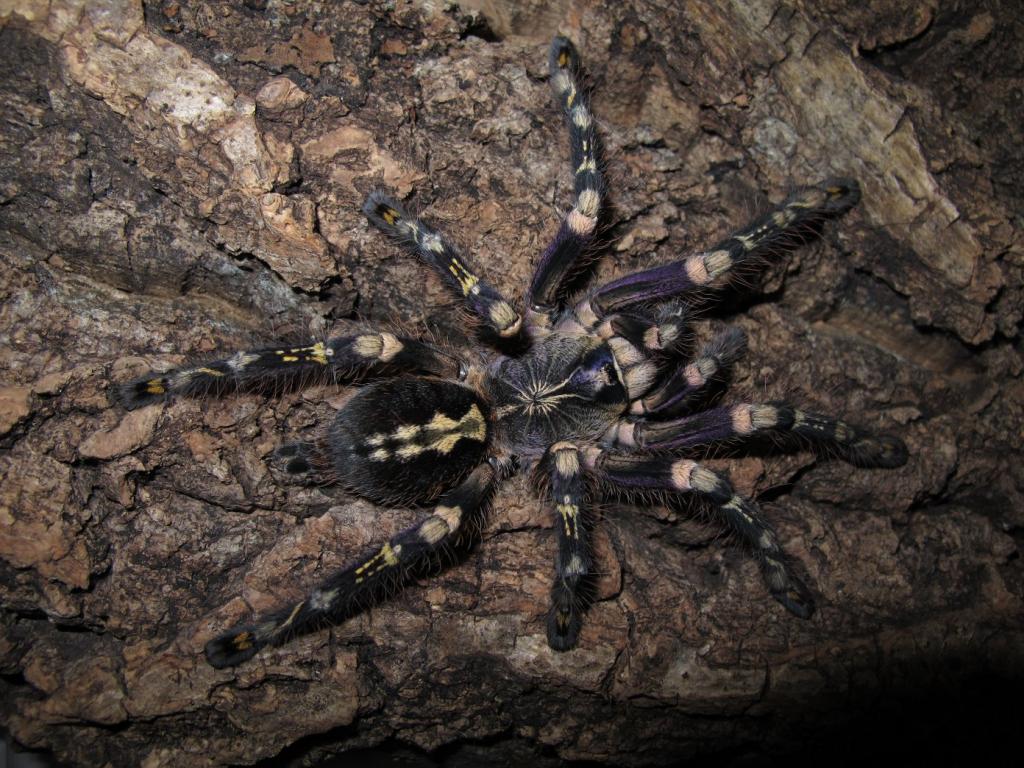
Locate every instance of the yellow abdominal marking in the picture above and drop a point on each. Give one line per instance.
(208, 371)
(440, 434)
(390, 215)
(155, 387)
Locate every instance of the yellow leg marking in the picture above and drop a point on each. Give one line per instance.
(588, 202)
(209, 371)
(567, 459)
(703, 479)
(719, 262)
(694, 376)
(292, 615)
(560, 82)
(570, 513)
(240, 360)
(682, 470)
(371, 345)
(581, 119)
(581, 223)
(764, 416)
(433, 243)
(639, 379)
(390, 346)
(242, 641)
(742, 420)
(588, 164)
(451, 515)
(319, 353)
(433, 529)
(625, 353)
(697, 270)
(467, 280)
(505, 318)
(387, 553)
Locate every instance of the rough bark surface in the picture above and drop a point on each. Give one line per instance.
(186, 177)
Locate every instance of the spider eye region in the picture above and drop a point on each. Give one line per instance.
(407, 439)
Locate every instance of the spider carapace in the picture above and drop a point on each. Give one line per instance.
(601, 397)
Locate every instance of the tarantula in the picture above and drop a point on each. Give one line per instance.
(598, 394)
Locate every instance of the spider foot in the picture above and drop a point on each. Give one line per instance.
(882, 451)
(294, 458)
(564, 619)
(792, 593)
(841, 194)
(297, 462)
(234, 647)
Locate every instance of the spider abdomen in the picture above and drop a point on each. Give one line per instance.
(407, 439)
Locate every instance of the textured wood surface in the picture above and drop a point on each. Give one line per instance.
(186, 178)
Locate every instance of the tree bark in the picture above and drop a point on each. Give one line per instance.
(186, 178)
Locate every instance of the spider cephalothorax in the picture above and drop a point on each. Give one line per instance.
(598, 398)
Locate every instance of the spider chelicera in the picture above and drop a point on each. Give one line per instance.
(598, 395)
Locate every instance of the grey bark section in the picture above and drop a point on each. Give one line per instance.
(187, 179)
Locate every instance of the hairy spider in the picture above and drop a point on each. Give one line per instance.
(598, 395)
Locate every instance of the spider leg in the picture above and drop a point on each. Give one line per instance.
(366, 578)
(436, 250)
(576, 231)
(715, 425)
(689, 381)
(682, 476)
(337, 358)
(653, 335)
(779, 228)
(573, 560)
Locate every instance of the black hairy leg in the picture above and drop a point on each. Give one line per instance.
(684, 476)
(576, 232)
(433, 248)
(790, 222)
(572, 563)
(362, 581)
(330, 361)
(690, 380)
(746, 420)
